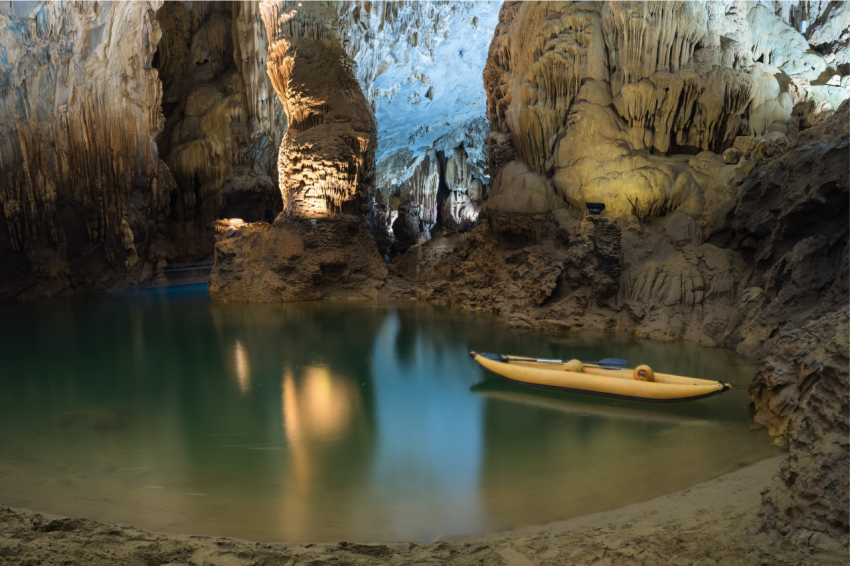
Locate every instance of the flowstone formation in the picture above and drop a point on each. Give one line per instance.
(327, 159)
(127, 129)
(223, 120)
(580, 112)
(80, 177)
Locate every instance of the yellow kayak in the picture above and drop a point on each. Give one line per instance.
(639, 384)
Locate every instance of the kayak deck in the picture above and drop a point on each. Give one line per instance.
(598, 380)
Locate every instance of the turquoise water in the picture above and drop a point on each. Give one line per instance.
(334, 421)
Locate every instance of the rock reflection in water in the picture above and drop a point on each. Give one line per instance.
(243, 368)
(317, 411)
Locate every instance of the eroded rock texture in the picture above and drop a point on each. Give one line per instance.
(120, 124)
(327, 158)
(601, 92)
(793, 217)
(296, 260)
(223, 120)
(802, 395)
(80, 177)
(418, 64)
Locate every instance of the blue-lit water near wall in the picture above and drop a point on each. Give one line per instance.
(334, 421)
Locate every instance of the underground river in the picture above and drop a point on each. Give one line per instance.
(335, 421)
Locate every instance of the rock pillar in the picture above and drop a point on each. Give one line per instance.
(326, 161)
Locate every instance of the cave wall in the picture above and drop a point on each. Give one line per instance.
(223, 120)
(127, 129)
(579, 98)
(81, 181)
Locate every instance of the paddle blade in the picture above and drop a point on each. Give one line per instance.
(609, 362)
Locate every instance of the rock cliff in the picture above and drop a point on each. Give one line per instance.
(127, 129)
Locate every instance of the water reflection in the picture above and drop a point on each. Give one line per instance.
(332, 421)
(429, 442)
(317, 409)
(243, 369)
(574, 404)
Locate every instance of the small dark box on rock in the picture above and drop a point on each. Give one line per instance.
(595, 207)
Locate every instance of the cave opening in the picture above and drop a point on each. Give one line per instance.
(431, 117)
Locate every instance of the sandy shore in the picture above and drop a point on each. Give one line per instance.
(701, 526)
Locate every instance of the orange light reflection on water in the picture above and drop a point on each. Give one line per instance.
(317, 410)
(243, 368)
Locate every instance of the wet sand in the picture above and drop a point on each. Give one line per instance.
(704, 525)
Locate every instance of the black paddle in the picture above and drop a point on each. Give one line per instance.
(614, 363)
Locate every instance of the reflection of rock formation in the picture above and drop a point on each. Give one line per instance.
(242, 367)
(317, 410)
(430, 457)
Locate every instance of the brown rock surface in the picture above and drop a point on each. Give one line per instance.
(802, 394)
(120, 122)
(296, 260)
(792, 221)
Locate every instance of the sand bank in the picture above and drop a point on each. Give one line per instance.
(706, 524)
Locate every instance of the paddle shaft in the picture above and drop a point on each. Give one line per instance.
(608, 362)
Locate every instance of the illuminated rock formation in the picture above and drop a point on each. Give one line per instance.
(418, 63)
(327, 158)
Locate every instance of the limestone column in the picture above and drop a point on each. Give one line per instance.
(326, 160)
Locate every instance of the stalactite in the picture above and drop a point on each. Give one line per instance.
(541, 56)
(645, 37)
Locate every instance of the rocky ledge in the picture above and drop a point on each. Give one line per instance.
(296, 260)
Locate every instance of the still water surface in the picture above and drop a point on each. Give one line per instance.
(334, 421)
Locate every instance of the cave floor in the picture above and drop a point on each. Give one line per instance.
(706, 524)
